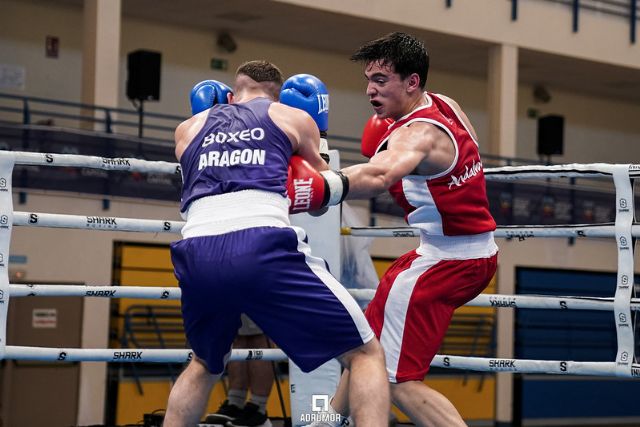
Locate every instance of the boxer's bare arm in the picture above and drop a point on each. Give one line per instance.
(407, 148)
(187, 130)
(302, 132)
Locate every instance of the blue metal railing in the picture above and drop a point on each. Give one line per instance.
(36, 110)
(29, 110)
(623, 8)
(633, 19)
(152, 326)
(575, 14)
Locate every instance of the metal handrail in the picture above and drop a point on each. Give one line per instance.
(148, 321)
(349, 146)
(627, 9)
(27, 110)
(86, 106)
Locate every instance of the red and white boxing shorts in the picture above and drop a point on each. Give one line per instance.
(415, 301)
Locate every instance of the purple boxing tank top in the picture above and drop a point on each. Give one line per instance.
(238, 148)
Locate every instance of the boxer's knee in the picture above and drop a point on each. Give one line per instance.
(400, 390)
(371, 351)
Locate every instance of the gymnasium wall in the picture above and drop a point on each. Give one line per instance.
(597, 129)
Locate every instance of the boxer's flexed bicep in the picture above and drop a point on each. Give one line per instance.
(407, 147)
(302, 132)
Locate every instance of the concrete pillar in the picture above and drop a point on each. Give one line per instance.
(100, 83)
(502, 98)
(101, 54)
(504, 337)
(503, 102)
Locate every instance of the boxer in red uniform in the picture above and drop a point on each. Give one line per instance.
(424, 151)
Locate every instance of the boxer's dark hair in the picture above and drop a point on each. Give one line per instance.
(261, 71)
(264, 72)
(404, 52)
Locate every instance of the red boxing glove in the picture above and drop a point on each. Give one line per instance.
(372, 134)
(310, 190)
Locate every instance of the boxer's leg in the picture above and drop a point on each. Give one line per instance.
(189, 395)
(368, 389)
(425, 406)
(420, 298)
(312, 317)
(210, 328)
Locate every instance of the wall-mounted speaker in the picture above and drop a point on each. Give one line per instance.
(550, 135)
(226, 42)
(143, 75)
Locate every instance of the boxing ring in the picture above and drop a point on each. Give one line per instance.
(621, 304)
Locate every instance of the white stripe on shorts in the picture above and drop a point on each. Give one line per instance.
(317, 265)
(395, 312)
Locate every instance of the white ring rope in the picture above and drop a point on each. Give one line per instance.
(526, 366)
(92, 162)
(105, 223)
(573, 170)
(548, 302)
(507, 232)
(130, 354)
(109, 223)
(621, 304)
(141, 292)
(563, 367)
(174, 293)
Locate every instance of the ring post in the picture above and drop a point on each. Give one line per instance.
(625, 279)
(7, 161)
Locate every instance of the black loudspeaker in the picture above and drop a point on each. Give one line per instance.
(550, 135)
(143, 75)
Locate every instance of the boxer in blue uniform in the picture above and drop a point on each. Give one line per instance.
(240, 254)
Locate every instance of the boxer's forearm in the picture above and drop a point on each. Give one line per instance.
(367, 180)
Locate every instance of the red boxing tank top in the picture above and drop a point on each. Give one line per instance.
(451, 203)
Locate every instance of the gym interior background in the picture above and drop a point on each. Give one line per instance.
(518, 68)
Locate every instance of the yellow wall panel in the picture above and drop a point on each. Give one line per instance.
(137, 256)
(382, 265)
(147, 278)
(144, 266)
(132, 405)
(474, 399)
